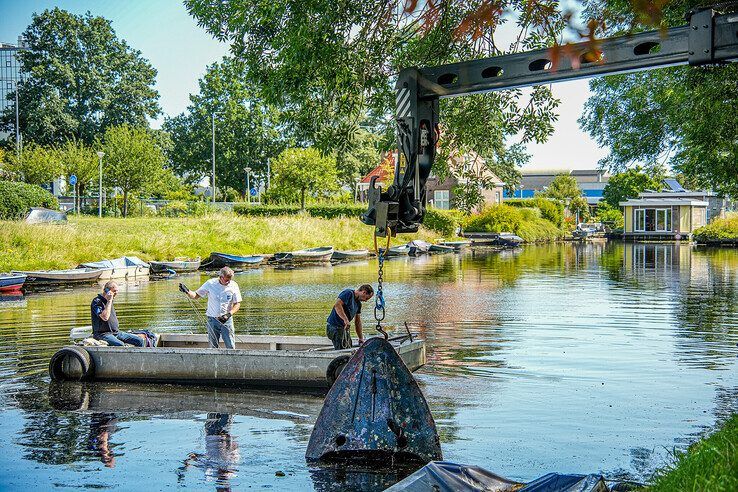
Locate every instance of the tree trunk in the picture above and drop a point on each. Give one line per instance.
(302, 199)
(125, 203)
(80, 194)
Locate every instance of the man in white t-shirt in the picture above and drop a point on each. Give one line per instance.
(224, 300)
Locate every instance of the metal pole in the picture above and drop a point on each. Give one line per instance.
(17, 126)
(269, 175)
(248, 188)
(213, 158)
(100, 154)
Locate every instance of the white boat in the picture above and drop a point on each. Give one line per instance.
(354, 254)
(178, 265)
(59, 277)
(127, 267)
(313, 254)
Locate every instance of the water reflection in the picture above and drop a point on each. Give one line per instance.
(548, 357)
(220, 460)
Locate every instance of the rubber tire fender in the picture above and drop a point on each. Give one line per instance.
(335, 368)
(79, 353)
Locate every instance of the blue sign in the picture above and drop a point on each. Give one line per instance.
(72, 180)
(253, 192)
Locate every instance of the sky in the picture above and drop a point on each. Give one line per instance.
(180, 50)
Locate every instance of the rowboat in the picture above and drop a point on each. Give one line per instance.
(70, 276)
(178, 265)
(418, 247)
(12, 282)
(219, 260)
(257, 360)
(403, 250)
(354, 254)
(441, 248)
(457, 245)
(40, 215)
(313, 254)
(509, 239)
(128, 267)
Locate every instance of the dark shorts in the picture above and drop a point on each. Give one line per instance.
(339, 336)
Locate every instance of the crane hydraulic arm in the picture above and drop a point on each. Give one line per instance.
(710, 38)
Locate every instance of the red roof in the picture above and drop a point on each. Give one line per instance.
(381, 170)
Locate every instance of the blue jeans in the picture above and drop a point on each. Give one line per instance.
(216, 329)
(118, 339)
(340, 337)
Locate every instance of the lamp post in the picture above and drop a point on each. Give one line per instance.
(213, 159)
(248, 184)
(521, 191)
(100, 154)
(17, 123)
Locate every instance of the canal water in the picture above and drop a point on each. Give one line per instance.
(574, 358)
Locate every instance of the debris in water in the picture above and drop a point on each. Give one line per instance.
(375, 412)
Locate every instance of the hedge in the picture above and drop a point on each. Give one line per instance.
(444, 222)
(550, 210)
(16, 199)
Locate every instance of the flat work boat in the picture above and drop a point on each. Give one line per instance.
(275, 361)
(61, 277)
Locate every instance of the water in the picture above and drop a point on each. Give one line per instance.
(570, 358)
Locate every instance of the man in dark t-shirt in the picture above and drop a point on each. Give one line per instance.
(105, 321)
(346, 308)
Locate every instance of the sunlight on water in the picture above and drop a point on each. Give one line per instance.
(570, 358)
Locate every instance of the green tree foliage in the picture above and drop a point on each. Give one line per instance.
(630, 183)
(79, 80)
(610, 215)
(333, 64)
(76, 158)
(247, 130)
(16, 199)
(133, 160)
(298, 171)
(565, 190)
(35, 165)
(683, 116)
(358, 158)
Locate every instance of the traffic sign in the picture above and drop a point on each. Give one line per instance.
(253, 192)
(72, 180)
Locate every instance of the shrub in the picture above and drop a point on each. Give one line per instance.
(175, 208)
(16, 199)
(446, 222)
(719, 229)
(338, 210)
(265, 210)
(525, 222)
(550, 210)
(610, 216)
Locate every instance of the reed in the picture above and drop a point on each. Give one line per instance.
(83, 239)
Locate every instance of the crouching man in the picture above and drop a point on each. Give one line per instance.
(105, 321)
(224, 300)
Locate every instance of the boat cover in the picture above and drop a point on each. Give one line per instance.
(445, 476)
(39, 215)
(122, 262)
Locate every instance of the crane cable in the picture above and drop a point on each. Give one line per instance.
(379, 305)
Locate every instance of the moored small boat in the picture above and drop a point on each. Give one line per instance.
(441, 248)
(457, 245)
(219, 260)
(320, 254)
(257, 360)
(178, 265)
(403, 250)
(70, 276)
(354, 254)
(509, 239)
(128, 267)
(418, 247)
(12, 282)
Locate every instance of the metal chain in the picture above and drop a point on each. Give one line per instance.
(379, 305)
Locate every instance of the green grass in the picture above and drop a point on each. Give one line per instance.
(710, 465)
(719, 229)
(83, 239)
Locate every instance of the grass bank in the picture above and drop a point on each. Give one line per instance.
(725, 229)
(83, 239)
(710, 465)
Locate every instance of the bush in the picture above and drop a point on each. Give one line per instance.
(334, 211)
(445, 222)
(525, 222)
(609, 216)
(16, 199)
(719, 230)
(265, 210)
(175, 208)
(550, 210)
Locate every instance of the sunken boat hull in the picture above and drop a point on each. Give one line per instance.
(375, 413)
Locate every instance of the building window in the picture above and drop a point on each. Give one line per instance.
(440, 199)
(9, 85)
(653, 220)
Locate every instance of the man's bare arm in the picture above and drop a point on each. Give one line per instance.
(341, 313)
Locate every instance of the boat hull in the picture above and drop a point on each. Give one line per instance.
(12, 283)
(220, 260)
(350, 255)
(287, 361)
(73, 276)
(176, 266)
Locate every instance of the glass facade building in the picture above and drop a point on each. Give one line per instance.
(9, 74)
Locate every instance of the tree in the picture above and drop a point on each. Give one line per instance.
(359, 158)
(564, 189)
(76, 158)
(630, 183)
(133, 159)
(80, 79)
(683, 116)
(299, 170)
(247, 131)
(332, 65)
(35, 165)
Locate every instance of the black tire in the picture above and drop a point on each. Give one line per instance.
(335, 368)
(57, 361)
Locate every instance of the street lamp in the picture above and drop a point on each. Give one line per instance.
(100, 154)
(17, 123)
(213, 159)
(521, 191)
(248, 184)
